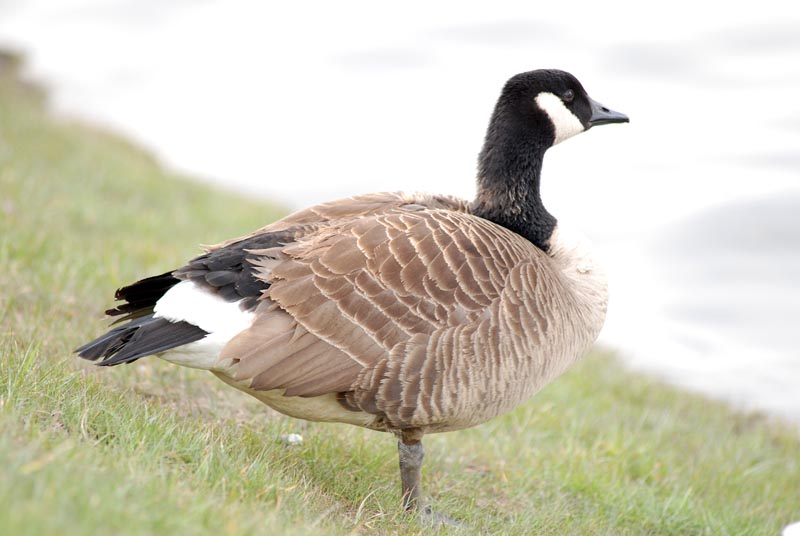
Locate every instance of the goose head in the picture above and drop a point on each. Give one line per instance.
(544, 107)
(535, 110)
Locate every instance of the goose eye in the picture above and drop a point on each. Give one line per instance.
(568, 96)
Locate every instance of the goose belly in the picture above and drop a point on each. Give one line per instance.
(324, 408)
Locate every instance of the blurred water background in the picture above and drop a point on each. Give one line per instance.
(695, 205)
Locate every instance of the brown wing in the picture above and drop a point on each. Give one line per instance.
(349, 301)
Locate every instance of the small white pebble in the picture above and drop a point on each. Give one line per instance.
(292, 439)
(792, 530)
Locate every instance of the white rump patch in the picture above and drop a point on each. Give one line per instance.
(222, 319)
(792, 529)
(564, 121)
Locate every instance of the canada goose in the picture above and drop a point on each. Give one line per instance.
(405, 313)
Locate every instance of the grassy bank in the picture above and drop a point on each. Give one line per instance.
(152, 448)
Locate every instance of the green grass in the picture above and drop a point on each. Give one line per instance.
(153, 448)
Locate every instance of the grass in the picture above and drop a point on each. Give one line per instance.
(153, 448)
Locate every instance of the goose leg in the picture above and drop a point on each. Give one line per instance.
(411, 455)
(411, 452)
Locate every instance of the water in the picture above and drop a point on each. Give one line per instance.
(694, 204)
(722, 314)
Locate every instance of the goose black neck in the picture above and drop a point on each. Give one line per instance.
(509, 173)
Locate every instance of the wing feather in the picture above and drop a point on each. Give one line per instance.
(378, 304)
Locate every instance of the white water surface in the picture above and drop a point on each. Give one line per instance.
(695, 205)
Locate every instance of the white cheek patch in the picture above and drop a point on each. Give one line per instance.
(564, 121)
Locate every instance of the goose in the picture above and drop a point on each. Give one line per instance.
(399, 312)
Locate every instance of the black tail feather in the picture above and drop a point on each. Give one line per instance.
(225, 272)
(141, 297)
(102, 346)
(139, 338)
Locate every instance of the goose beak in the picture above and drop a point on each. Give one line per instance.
(603, 116)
